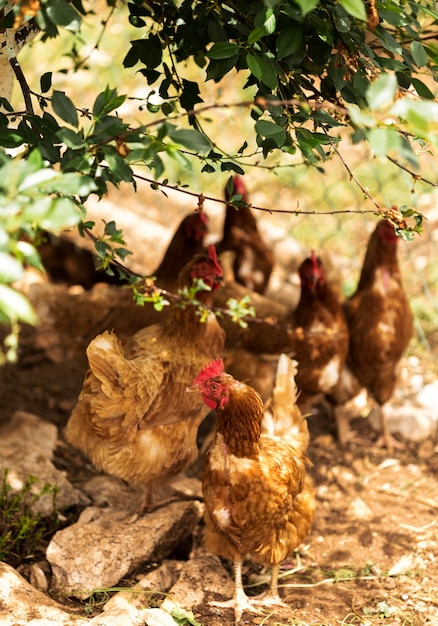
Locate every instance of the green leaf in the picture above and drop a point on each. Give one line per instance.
(222, 50)
(422, 89)
(191, 139)
(418, 53)
(356, 8)
(63, 14)
(289, 41)
(10, 268)
(382, 92)
(265, 128)
(256, 35)
(16, 306)
(307, 5)
(218, 68)
(361, 118)
(10, 138)
(64, 108)
(384, 140)
(70, 138)
(63, 213)
(46, 82)
(70, 184)
(262, 70)
(106, 102)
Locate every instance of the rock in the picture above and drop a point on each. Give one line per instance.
(21, 604)
(415, 418)
(27, 444)
(202, 580)
(97, 554)
(159, 580)
(358, 509)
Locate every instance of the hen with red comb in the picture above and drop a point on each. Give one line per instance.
(321, 334)
(134, 418)
(259, 501)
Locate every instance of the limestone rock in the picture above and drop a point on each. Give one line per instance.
(202, 580)
(101, 551)
(22, 604)
(157, 581)
(27, 444)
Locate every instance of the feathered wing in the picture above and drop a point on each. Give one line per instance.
(282, 417)
(261, 507)
(118, 391)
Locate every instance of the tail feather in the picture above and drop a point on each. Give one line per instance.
(282, 417)
(106, 358)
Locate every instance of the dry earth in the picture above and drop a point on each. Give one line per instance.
(371, 556)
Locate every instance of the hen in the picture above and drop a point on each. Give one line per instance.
(187, 241)
(133, 418)
(380, 321)
(321, 335)
(316, 334)
(258, 499)
(253, 260)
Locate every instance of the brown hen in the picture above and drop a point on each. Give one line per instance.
(133, 418)
(253, 259)
(258, 499)
(380, 321)
(321, 337)
(187, 241)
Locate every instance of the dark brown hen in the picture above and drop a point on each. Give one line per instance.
(380, 321)
(253, 259)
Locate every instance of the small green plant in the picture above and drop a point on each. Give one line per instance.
(24, 532)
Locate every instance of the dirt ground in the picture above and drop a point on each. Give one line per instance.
(371, 557)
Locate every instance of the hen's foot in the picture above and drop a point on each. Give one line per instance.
(389, 442)
(268, 599)
(239, 603)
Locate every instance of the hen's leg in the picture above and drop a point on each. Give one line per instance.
(270, 597)
(386, 439)
(240, 601)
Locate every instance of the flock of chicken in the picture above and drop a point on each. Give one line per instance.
(138, 414)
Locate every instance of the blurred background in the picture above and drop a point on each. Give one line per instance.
(333, 214)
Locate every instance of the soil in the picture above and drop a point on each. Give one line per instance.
(371, 555)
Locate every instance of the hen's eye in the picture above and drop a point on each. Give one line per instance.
(214, 386)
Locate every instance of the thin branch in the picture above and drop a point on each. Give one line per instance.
(350, 173)
(296, 211)
(261, 102)
(413, 174)
(23, 85)
(99, 39)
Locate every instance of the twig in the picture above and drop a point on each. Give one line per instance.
(23, 85)
(252, 206)
(413, 174)
(350, 173)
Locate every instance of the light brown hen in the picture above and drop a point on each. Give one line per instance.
(259, 501)
(134, 418)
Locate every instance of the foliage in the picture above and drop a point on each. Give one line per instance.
(317, 72)
(22, 530)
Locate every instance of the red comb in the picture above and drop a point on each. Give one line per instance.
(314, 259)
(211, 370)
(213, 257)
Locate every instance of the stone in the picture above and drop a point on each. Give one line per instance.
(27, 445)
(99, 552)
(202, 580)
